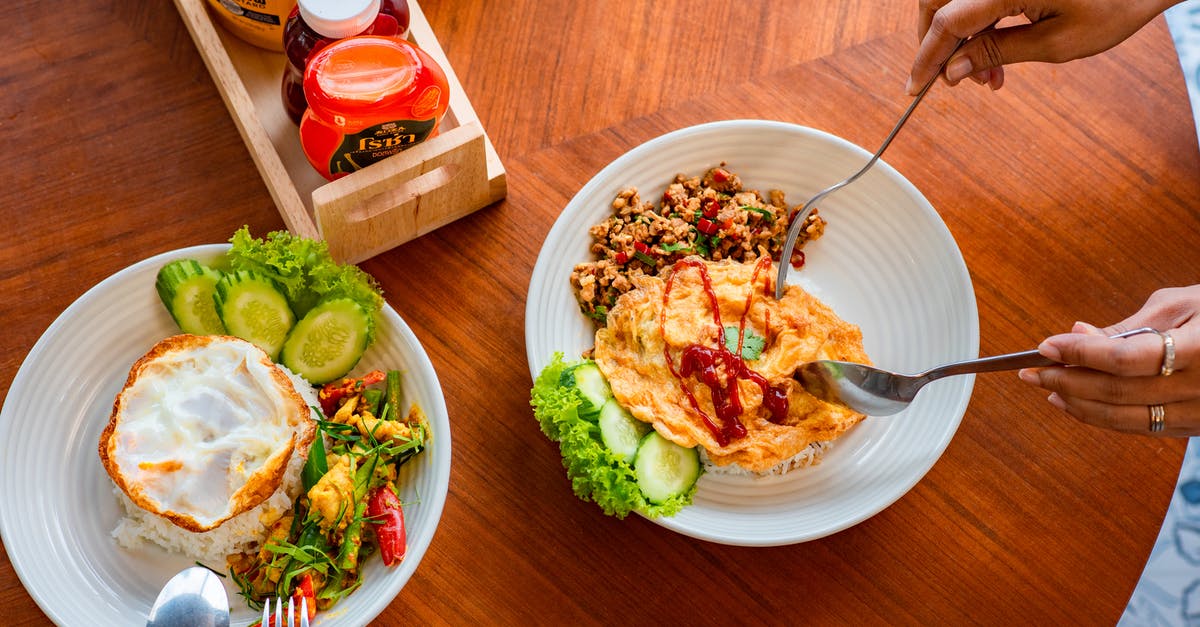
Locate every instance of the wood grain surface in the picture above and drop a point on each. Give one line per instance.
(1073, 193)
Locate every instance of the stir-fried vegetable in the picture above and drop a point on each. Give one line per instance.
(349, 508)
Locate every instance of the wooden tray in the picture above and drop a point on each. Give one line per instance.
(372, 210)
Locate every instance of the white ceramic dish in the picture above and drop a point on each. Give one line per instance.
(57, 507)
(887, 262)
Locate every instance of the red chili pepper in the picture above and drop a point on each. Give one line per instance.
(797, 259)
(383, 507)
(621, 257)
(719, 175)
(711, 207)
(641, 247)
(302, 592)
(335, 391)
(706, 226)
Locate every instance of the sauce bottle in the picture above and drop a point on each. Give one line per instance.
(314, 24)
(259, 22)
(369, 98)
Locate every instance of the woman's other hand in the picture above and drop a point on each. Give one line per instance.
(1115, 383)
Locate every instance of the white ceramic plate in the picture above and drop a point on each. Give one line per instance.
(57, 507)
(887, 263)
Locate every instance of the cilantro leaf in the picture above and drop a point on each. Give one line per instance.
(752, 342)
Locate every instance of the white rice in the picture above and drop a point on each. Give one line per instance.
(810, 456)
(239, 534)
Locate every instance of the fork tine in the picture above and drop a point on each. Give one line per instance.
(303, 611)
(291, 612)
(266, 612)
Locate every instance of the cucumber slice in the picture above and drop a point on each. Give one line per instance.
(328, 341)
(620, 431)
(664, 469)
(186, 288)
(254, 309)
(592, 386)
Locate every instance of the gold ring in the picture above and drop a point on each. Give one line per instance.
(1168, 362)
(1158, 418)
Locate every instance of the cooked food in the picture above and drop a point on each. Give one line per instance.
(705, 354)
(204, 430)
(710, 216)
(349, 507)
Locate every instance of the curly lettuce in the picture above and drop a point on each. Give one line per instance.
(596, 474)
(306, 272)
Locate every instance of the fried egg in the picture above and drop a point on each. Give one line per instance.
(204, 429)
(641, 349)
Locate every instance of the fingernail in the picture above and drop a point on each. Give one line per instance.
(958, 69)
(1030, 376)
(1050, 351)
(1083, 327)
(1057, 401)
(908, 87)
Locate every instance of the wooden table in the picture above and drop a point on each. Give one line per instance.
(1073, 193)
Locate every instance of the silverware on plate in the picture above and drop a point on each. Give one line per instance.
(877, 392)
(194, 597)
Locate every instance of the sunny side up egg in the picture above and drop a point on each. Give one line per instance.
(204, 430)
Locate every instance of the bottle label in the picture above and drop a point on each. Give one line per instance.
(375, 143)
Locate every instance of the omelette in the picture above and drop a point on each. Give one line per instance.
(678, 353)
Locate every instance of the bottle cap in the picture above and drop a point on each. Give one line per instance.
(338, 18)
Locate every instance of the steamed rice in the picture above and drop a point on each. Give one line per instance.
(239, 534)
(810, 456)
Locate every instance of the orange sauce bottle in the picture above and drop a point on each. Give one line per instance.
(314, 24)
(369, 98)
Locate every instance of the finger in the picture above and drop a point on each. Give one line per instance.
(925, 15)
(1138, 355)
(943, 26)
(1180, 420)
(1092, 385)
(1167, 308)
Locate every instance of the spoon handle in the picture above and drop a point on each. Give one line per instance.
(1011, 361)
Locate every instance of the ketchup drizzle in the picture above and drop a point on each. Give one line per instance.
(704, 362)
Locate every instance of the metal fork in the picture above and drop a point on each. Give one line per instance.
(785, 261)
(291, 613)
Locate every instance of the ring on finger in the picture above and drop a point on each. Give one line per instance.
(1168, 362)
(1158, 418)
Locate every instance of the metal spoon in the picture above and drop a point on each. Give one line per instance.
(194, 597)
(877, 392)
(794, 228)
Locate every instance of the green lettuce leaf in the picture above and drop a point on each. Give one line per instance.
(306, 271)
(596, 474)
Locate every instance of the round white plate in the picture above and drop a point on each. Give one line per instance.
(57, 507)
(887, 263)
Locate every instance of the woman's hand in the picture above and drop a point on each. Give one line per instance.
(1054, 31)
(1113, 383)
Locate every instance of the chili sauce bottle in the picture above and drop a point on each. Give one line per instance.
(314, 24)
(369, 98)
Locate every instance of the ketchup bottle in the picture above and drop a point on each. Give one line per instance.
(368, 99)
(314, 24)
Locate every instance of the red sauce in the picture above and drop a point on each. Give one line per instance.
(706, 363)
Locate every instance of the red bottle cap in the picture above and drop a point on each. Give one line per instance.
(360, 80)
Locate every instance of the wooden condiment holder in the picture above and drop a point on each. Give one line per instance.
(372, 210)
